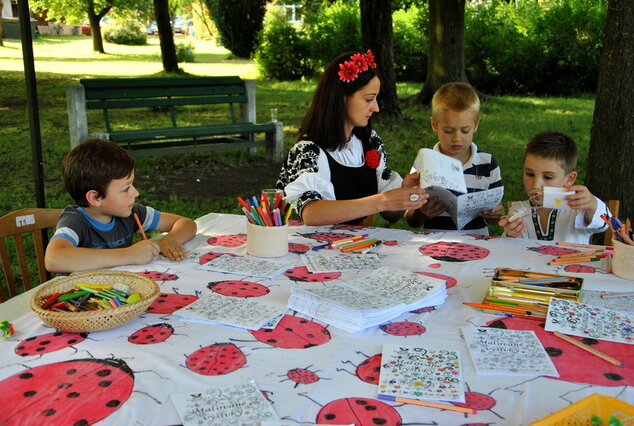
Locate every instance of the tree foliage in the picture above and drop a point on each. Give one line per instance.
(238, 23)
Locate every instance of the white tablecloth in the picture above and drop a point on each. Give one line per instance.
(315, 373)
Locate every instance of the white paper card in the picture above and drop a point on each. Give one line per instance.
(465, 207)
(245, 265)
(507, 352)
(437, 169)
(554, 198)
(232, 405)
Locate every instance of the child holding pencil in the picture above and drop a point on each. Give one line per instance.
(99, 175)
(550, 160)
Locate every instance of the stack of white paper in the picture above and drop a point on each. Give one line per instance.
(371, 300)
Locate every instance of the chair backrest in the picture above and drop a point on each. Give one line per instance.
(614, 206)
(16, 224)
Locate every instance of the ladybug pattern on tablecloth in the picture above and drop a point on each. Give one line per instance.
(368, 370)
(216, 360)
(301, 274)
(76, 392)
(574, 364)
(403, 328)
(159, 276)
(358, 411)
(167, 303)
(50, 342)
(390, 243)
(232, 240)
(236, 288)
(453, 252)
(293, 333)
(346, 227)
(211, 255)
(481, 237)
(449, 281)
(152, 334)
(478, 401)
(327, 237)
(577, 268)
(553, 250)
(297, 248)
(302, 376)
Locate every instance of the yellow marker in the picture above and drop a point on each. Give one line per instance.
(288, 213)
(94, 286)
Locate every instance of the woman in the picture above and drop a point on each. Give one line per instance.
(337, 170)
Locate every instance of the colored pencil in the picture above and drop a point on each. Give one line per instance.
(358, 245)
(577, 260)
(138, 222)
(585, 347)
(503, 309)
(560, 243)
(428, 404)
(244, 203)
(613, 295)
(288, 213)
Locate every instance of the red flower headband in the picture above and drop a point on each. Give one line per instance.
(358, 62)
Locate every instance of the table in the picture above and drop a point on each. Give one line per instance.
(310, 371)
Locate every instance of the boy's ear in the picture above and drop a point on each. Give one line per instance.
(571, 178)
(477, 122)
(93, 198)
(433, 124)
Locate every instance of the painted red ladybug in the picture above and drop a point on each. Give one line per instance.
(453, 251)
(358, 411)
(301, 273)
(293, 333)
(216, 360)
(302, 376)
(77, 392)
(581, 269)
(50, 342)
(233, 240)
(344, 227)
(390, 243)
(368, 371)
(209, 256)
(476, 401)
(159, 276)
(481, 237)
(167, 303)
(553, 250)
(327, 237)
(403, 328)
(238, 288)
(298, 248)
(574, 364)
(449, 281)
(152, 334)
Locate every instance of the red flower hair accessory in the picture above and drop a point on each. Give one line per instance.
(372, 158)
(358, 62)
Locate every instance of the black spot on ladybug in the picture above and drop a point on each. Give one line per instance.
(498, 324)
(103, 373)
(370, 408)
(71, 371)
(26, 376)
(104, 383)
(64, 386)
(113, 403)
(613, 376)
(379, 421)
(82, 422)
(72, 395)
(554, 351)
(330, 416)
(589, 341)
(49, 412)
(360, 402)
(30, 393)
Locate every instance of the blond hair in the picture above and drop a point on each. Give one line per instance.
(457, 97)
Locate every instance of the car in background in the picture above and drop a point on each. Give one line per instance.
(86, 29)
(152, 29)
(181, 25)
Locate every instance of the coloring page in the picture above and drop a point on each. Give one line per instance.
(238, 404)
(554, 198)
(342, 262)
(463, 208)
(344, 297)
(623, 304)
(507, 352)
(246, 265)
(437, 169)
(234, 311)
(579, 319)
(421, 373)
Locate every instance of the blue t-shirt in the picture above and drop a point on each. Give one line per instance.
(83, 231)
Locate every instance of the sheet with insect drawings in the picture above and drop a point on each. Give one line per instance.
(463, 208)
(246, 265)
(507, 352)
(583, 320)
(235, 311)
(238, 404)
(422, 373)
(437, 169)
(623, 304)
(341, 262)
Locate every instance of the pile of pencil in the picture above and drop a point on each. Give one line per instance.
(622, 232)
(358, 244)
(595, 254)
(266, 212)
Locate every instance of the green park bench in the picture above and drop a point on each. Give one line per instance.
(178, 115)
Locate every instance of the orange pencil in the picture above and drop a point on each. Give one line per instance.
(138, 222)
(560, 243)
(428, 404)
(503, 309)
(573, 260)
(587, 348)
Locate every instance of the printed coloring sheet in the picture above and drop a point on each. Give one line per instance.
(238, 404)
(507, 352)
(463, 208)
(247, 265)
(341, 262)
(438, 169)
(579, 319)
(623, 304)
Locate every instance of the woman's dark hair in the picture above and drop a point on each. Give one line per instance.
(325, 119)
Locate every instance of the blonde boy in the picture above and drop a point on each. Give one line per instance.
(550, 159)
(99, 175)
(455, 118)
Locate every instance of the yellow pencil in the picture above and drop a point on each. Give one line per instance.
(288, 213)
(585, 347)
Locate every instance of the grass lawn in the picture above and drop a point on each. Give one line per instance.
(507, 121)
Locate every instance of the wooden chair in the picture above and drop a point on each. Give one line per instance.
(16, 224)
(614, 206)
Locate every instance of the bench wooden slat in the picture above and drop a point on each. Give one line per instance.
(95, 83)
(188, 131)
(159, 92)
(162, 102)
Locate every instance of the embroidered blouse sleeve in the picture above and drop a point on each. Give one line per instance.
(305, 175)
(386, 179)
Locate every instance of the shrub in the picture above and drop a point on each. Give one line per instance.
(238, 23)
(282, 53)
(410, 43)
(128, 33)
(185, 52)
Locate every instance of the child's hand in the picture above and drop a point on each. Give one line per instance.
(411, 180)
(582, 199)
(514, 229)
(433, 208)
(494, 215)
(143, 252)
(171, 249)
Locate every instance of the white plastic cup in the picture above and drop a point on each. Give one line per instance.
(267, 241)
(623, 260)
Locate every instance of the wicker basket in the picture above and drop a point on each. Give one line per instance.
(580, 413)
(103, 319)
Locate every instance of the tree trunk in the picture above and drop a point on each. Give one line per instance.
(376, 28)
(446, 47)
(94, 18)
(166, 37)
(609, 165)
(1, 25)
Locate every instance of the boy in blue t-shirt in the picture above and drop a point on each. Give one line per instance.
(99, 175)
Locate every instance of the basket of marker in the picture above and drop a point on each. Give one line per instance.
(93, 301)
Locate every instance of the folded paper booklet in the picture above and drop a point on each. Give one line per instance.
(443, 178)
(554, 198)
(370, 300)
(341, 262)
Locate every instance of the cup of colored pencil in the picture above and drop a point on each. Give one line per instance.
(266, 210)
(623, 260)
